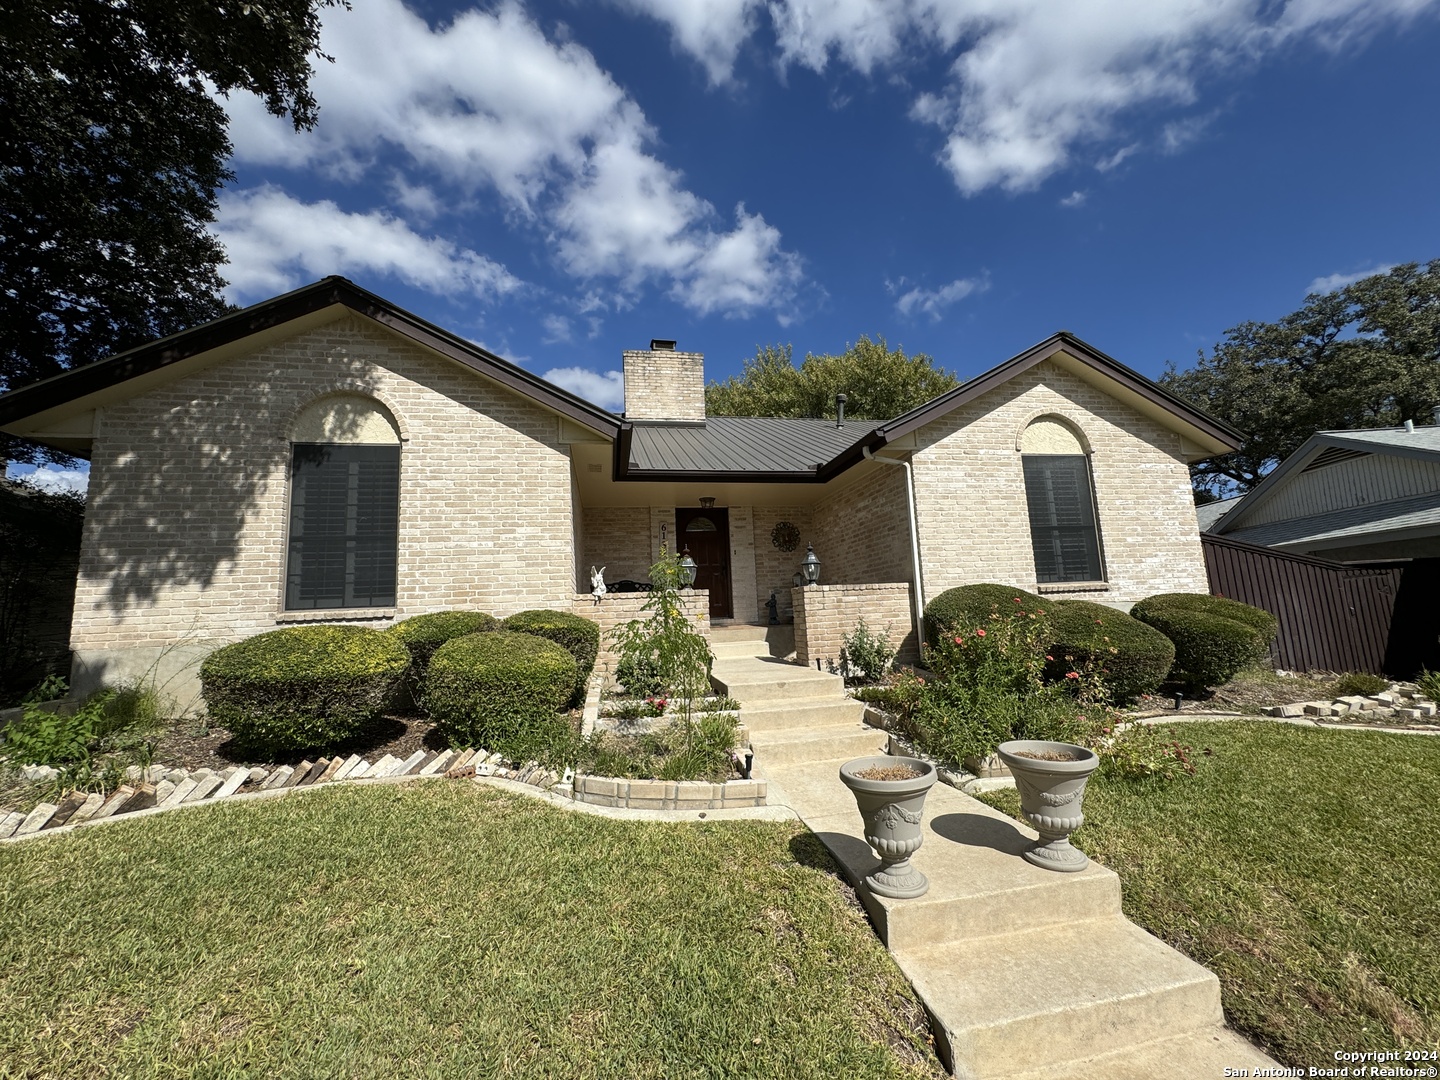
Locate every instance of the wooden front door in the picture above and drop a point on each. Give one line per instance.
(707, 534)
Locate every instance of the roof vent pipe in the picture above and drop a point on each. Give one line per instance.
(840, 400)
(1409, 426)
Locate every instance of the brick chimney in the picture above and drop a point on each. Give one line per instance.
(663, 384)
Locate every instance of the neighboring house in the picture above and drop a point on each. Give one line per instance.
(1348, 496)
(326, 456)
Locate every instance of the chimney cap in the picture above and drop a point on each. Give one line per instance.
(662, 345)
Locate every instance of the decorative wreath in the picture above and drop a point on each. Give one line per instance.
(785, 536)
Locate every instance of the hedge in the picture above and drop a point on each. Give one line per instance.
(1132, 658)
(973, 605)
(423, 634)
(1214, 638)
(578, 636)
(500, 691)
(302, 686)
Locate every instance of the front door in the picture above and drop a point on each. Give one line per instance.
(707, 534)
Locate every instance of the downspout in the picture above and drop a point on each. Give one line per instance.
(917, 597)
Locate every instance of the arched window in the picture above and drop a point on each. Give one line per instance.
(344, 505)
(1064, 531)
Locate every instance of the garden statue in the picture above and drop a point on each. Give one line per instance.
(597, 583)
(774, 605)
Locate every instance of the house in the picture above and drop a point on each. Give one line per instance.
(327, 456)
(1348, 496)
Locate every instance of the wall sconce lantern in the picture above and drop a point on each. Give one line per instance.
(687, 569)
(707, 502)
(810, 566)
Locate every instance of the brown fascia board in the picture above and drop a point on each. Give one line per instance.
(1278, 553)
(1073, 346)
(71, 385)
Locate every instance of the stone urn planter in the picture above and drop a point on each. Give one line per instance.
(1051, 777)
(891, 809)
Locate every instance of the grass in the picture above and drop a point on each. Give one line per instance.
(440, 930)
(1300, 865)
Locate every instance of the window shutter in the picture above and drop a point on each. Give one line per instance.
(344, 526)
(1062, 518)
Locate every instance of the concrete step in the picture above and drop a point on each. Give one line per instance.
(979, 886)
(1195, 1054)
(1018, 1002)
(739, 650)
(739, 632)
(803, 713)
(831, 742)
(772, 681)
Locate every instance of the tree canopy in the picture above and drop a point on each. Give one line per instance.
(112, 147)
(879, 383)
(1363, 356)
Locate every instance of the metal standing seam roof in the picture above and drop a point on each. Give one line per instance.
(1416, 511)
(742, 444)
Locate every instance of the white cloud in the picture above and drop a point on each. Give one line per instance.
(50, 478)
(1032, 81)
(275, 242)
(933, 302)
(1074, 199)
(489, 102)
(557, 329)
(1331, 282)
(710, 30)
(607, 390)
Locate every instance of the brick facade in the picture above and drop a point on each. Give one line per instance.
(824, 614)
(970, 492)
(185, 531)
(862, 530)
(618, 608)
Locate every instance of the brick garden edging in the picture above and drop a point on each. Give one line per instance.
(668, 794)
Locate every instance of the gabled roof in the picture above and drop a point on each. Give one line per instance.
(1207, 514)
(79, 383)
(1414, 514)
(1329, 447)
(1214, 435)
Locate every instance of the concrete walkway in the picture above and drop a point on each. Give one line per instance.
(1026, 973)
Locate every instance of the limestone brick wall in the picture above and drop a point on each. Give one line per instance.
(970, 492)
(617, 608)
(824, 614)
(862, 531)
(663, 384)
(185, 533)
(617, 538)
(775, 569)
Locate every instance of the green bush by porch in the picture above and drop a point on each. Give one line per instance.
(423, 634)
(302, 686)
(578, 636)
(1128, 657)
(502, 691)
(971, 606)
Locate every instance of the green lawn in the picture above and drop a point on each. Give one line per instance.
(440, 929)
(1300, 865)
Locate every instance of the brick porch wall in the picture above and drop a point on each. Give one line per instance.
(824, 614)
(617, 608)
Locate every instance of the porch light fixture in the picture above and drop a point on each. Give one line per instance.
(707, 502)
(810, 566)
(687, 569)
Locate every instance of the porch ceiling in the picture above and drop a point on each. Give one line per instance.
(594, 463)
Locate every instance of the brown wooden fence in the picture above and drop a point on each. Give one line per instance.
(1332, 617)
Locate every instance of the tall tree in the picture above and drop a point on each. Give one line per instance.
(1364, 356)
(880, 383)
(112, 147)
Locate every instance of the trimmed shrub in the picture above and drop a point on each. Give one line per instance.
(1359, 682)
(578, 636)
(423, 634)
(973, 605)
(502, 691)
(302, 686)
(1214, 637)
(1128, 657)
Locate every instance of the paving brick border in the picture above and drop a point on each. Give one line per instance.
(668, 794)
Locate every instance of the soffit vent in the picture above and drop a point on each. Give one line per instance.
(1333, 455)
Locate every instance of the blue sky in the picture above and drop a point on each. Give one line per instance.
(560, 181)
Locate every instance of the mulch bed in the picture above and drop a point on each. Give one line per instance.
(189, 745)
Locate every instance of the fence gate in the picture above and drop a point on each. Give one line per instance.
(1333, 617)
